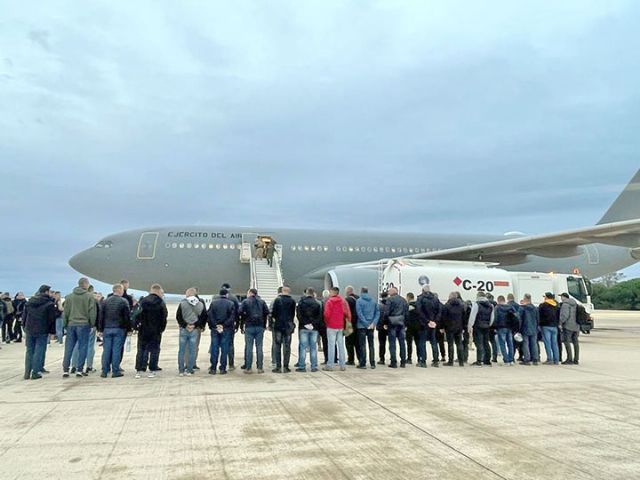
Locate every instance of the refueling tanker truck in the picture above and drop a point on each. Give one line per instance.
(469, 278)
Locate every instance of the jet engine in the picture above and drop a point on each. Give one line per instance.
(357, 277)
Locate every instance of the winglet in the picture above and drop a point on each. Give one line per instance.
(627, 205)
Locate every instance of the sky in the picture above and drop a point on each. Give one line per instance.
(446, 116)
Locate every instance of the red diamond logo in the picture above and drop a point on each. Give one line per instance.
(457, 281)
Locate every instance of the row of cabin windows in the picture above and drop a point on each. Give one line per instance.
(300, 248)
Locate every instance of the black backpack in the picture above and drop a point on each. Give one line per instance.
(483, 318)
(583, 319)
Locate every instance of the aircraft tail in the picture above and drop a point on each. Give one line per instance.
(627, 205)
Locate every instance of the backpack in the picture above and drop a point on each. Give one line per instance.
(483, 318)
(583, 319)
(135, 316)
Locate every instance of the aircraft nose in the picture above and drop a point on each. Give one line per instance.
(80, 262)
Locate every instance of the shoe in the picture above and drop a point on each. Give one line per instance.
(575, 362)
(314, 370)
(567, 362)
(488, 365)
(535, 364)
(223, 372)
(157, 369)
(548, 362)
(73, 370)
(302, 369)
(448, 364)
(276, 370)
(90, 370)
(181, 374)
(556, 363)
(138, 374)
(327, 369)
(351, 363)
(65, 375)
(36, 376)
(243, 367)
(80, 374)
(117, 375)
(526, 363)
(260, 370)
(409, 361)
(248, 371)
(189, 374)
(435, 364)
(403, 365)
(461, 364)
(212, 371)
(373, 366)
(392, 365)
(422, 364)
(151, 375)
(103, 375)
(286, 370)
(361, 367)
(44, 370)
(231, 368)
(380, 362)
(196, 367)
(342, 369)
(476, 364)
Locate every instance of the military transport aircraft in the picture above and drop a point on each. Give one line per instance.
(178, 257)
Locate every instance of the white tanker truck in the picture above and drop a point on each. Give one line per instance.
(469, 278)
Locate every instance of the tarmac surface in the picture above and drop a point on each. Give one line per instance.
(547, 422)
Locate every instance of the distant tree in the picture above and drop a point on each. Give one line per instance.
(621, 296)
(610, 279)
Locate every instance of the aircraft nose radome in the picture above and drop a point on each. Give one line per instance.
(79, 262)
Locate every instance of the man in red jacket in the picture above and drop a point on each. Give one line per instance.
(336, 312)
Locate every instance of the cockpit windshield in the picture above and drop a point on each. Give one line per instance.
(577, 288)
(104, 244)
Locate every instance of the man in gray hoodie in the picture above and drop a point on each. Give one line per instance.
(80, 313)
(570, 328)
(189, 317)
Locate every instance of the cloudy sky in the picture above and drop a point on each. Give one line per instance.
(418, 116)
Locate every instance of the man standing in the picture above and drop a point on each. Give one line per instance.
(39, 322)
(189, 317)
(529, 321)
(283, 314)
(548, 311)
(253, 320)
(413, 329)
(125, 295)
(428, 307)
(222, 318)
(570, 329)
(517, 346)
(368, 317)
(505, 319)
(452, 321)
(270, 251)
(152, 321)
(113, 324)
(309, 313)
(481, 319)
(398, 310)
(80, 314)
(351, 341)
(381, 328)
(232, 352)
(336, 313)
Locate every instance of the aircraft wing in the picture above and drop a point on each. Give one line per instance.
(625, 233)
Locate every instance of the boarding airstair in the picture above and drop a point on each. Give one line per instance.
(264, 278)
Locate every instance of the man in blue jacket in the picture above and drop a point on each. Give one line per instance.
(39, 322)
(506, 317)
(529, 322)
(222, 319)
(368, 312)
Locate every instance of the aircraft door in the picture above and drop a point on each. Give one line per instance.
(147, 246)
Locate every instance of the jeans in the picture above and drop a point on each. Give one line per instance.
(421, 346)
(34, 356)
(455, 337)
(550, 339)
(76, 336)
(571, 338)
(91, 351)
(505, 339)
(148, 353)
(219, 351)
(308, 339)
(365, 335)
(432, 336)
(187, 351)
(483, 347)
(253, 334)
(530, 348)
(113, 340)
(335, 337)
(397, 332)
(493, 353)
(282, 342)
(59, 329)
(187, 347)
(382, 343)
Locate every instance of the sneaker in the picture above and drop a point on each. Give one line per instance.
(548, 362)
(248, 371)
(362, 367)
(90, 370)
(181, 374)
(351, 363)
(373, 366)
(448, 364)
(65, 375)
(138, 374)
(380, 362)
(422, 364)
(117, 375)
(260, 370)
(435, 364)
(403, 365)
(276, 370)
(189, 374)
(314, 370)
(567, 362)
(73, 370)
(44, 370)
(476, 364)
(80, 374)
(231, 368)
(286, 370)
(151, 374)
(327, 369)
(526, 363)
(575, 362)
(535, 364)
(342, 369)
(36, 376)
(243, 367)
(223, 372)
(556, 363)
(196, 367)
(392, 365)
(461, 364)
(103, 375)
(212, 371)
(302, 369)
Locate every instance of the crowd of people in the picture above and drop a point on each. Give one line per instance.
(342, 327)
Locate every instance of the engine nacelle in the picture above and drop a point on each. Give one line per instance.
(342, 277)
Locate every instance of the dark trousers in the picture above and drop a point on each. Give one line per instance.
(494, 346)
(7, 329)
(325, 345)
(282, 342)
(397, 333)
(412, 335)
(483, 345)
(231, 354)
(148, 354)
(440, 338)
(465, 345)
(421, 346)
(571, 338)
(34, 355)
(432, 337)
(560, 342)
(455, 338)
(353, 352)
(365, 335)
(382, 343)
(17, 330)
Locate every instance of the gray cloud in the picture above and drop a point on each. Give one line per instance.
(401, 116)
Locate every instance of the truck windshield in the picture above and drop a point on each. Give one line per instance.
(577, 288)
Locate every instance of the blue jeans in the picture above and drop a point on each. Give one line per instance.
(76, 335)
(59, 329)
(188, 342)
(220, 344)
(112, 349)
(34, 356)
(365, 335)
(432, 337)
(550, 339)
(308, 339)
(398, 332)
(421, 346)
(530, 348)
(335, 337)
(505, 340)
(91, 351)
(253, 334)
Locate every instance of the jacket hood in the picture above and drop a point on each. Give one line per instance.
(80, 291)
(455, 301)
(366, 297)
(569, 301)
(336, 299)
(528, 306)
(551, 302)
(505, 307)
(483, 301)
(151, 300)
(39, 300)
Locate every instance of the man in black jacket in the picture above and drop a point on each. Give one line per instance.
(39, 322)
(428, 307)
(152, 321)
(283, 314)
(351, 341)
(413, 329)
(113, 324)
(309, 312)
(452, 317)
(232, 350)
(253, 319)
(221, 319)
(382, 332)
(395, 325)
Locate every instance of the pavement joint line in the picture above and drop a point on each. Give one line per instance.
(215, 435)
(33, 425)
(115, 443)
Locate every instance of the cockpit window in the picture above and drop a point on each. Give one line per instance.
(104, 244)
